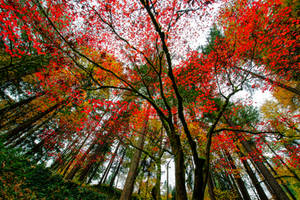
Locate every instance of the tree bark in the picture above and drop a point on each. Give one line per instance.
(76, 168)
(117, 170)
(179, 165)
(211, 192)
(18, 104)
(133, 170)
(106, 172)
(238, 178)
(156, 188)
(27, 124)
(281, 181)
(283, 162)
(262, 195)
(277, 191)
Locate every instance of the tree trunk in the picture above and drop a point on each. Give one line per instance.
(156, 188)
(283, 163)
(22, 138)
(106, 172)
(238, 178)
(64, 155)
(179, 168)
(179, 160)
(16, 105)
(76, 168)
(117, 170)
(277, 191)
(211, 192)
(168, 180)
(262, 195)
(27, 124)
(281, 182)
(133, 170)
(100, 149)
(93, 172)
(234, 186)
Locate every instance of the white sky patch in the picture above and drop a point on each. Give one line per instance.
(260, 97)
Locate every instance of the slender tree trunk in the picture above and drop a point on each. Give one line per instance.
(10, 119)
(283, 163)
(65, 168)
(179, 168)
(31, 132)
(76, 168)
(100, 149)
(262, 195)
(94, 172)
(281, 181)
(178, 159)
(74, 153)
(38, 147)
(271, 182)
(64, 156)
(270, 179)
(84, 173)
(117, 170)
(4, 110)
(168, 180)
(133, 170)
(234, 186)
(143, 170)
(27, 124)
(238, 178)
(202, 165)
(106, 172)
(156, 188)
(211, 192)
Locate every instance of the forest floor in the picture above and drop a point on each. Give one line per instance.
(20, 178)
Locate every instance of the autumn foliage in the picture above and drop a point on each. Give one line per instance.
(88, 86)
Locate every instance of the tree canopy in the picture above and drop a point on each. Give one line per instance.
(112, 91)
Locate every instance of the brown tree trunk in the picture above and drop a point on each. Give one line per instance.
(234, 186)
(262, 195)
(238, 178)
(100, 149)
(27, 124)
(117, 170)
(281, 181)
(133, 170)
(76, 168)
(106, 172)
(179, 164)
(179, 160)
(211, 192)
(283, 163)
(94, 172)
(277, 191)
(64, 155)
(73, 155)
(156, 188)
(32, 131)
(16, 105)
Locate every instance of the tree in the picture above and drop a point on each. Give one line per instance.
(133, 170)
(113, 57)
